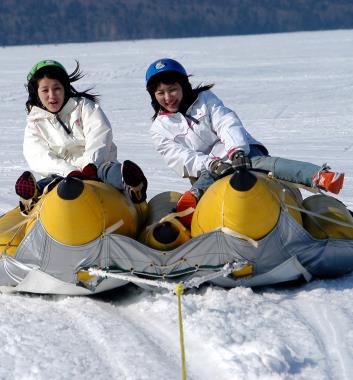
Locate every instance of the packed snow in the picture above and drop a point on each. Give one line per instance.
(293, 92)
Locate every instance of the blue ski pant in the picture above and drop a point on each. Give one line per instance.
(281, 168)
(109, 172)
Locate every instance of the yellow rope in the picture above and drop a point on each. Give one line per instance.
(179, 291)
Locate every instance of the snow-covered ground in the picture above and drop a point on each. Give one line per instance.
(294, 92)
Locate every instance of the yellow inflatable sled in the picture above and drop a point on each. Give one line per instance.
(246, 218)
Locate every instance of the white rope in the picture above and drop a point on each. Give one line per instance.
(281, 199)
(344, 224)
(18, 226)
(269, 176)
(193, 283)
(8, 244)
(129, 277)
(26, 219)
(224, 272)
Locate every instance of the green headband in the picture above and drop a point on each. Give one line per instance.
(41, 64)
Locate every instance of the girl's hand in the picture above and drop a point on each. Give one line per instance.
(219, 167)
(88, 172)
(240, 160)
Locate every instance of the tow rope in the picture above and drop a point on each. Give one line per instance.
(178, 290)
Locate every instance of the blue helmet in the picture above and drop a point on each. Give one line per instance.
(163, 65)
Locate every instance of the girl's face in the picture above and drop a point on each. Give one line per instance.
(169, 96)
(51, 93)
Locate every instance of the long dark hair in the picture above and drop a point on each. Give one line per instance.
(170, 77)
(55, 72)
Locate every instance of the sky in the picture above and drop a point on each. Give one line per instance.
(294, 93)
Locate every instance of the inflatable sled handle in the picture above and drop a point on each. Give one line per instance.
(177, 214)
(113, 227)
(233, 233)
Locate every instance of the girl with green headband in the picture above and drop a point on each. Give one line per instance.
(68, 134)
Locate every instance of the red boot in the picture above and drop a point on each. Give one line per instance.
(329, 181)
(188, 199)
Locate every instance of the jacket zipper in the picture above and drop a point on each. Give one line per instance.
(67, 130)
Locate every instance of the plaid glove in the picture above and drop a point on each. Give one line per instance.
(240, 160)
(219, 167)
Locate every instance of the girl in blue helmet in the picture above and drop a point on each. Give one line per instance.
(203, 140)
(68, 134)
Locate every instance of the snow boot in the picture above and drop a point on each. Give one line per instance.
(26, 189)
(329, 181)
(135, 181)
(187, 200)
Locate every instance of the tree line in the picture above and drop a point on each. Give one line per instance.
(49, 21)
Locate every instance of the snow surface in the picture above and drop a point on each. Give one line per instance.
(294, 92)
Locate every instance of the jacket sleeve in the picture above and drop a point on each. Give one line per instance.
(38, 155)
(227, 125)
(98, 135)
(184, 161)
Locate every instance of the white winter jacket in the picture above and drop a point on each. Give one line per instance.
(49, 149)
(208, 131)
